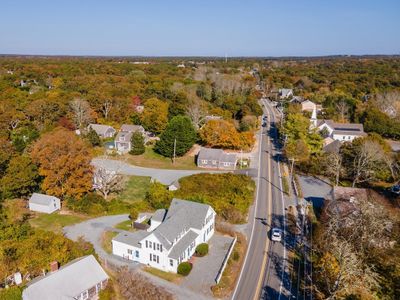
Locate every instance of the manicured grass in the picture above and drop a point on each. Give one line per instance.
(172, 277)
(55, 221)
(135, 189)
(106, 238)
(125, 225)
(152, 159)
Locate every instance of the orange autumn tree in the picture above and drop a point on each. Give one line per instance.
(64, 162)
(223, 134)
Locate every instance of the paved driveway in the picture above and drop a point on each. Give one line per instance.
(205, 269)
(92, 231)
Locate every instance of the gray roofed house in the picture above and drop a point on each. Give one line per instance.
(103, 131)
(82, 278)
(44, 203)
(285, 93)
(344, 132)
(172, 236)
(333, 147)
(123, 139)
(132, 128)
(216, 159)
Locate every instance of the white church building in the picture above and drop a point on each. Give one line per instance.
(343, 132)
(172, 237)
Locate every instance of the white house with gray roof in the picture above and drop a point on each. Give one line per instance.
(83, 278)
(216, 159)
(44, 203)
(172, 237)
(343, 132)
(123, 139)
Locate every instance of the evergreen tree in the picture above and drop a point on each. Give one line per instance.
(137, 142)
(181, 129)
(93, 138)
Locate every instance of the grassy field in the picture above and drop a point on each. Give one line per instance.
(172, 277)
(135, 189)
(55, 222)
(152, 159)
(106, 238)
(125, 225)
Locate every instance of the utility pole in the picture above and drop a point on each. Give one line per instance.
(174, 151)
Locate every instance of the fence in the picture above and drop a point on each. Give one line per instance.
(221, 270)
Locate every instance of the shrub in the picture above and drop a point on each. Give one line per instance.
(201, 250)
(184, 268)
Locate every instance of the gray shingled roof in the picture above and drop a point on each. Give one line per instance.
(132, 238)
(132, 128)
(68, 282)
(216, 154)
(100, 129)
(41, 199)
(182, 215)
(159, 215)
(183, 244)
(333, 147)
(351, 132)
(125, 134)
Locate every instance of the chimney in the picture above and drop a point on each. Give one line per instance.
(54, 266)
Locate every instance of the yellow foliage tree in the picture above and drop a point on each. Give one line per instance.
(223, 134)
(155, 115)
(64, 161)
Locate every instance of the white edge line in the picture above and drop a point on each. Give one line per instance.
(255, 211)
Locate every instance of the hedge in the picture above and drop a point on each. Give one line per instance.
(201, 250)
(184, 268)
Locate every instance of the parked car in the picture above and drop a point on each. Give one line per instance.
(276, 235)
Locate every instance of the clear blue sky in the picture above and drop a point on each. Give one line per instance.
(200, 27)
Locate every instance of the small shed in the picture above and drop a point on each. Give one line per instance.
(44, 203)
(174, 186)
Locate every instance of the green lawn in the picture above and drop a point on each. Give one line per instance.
(55, 221)
(152, 159)
(125, 225)
(135, 189)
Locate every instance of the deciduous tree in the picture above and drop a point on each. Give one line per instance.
(64, 162)
(155, 115)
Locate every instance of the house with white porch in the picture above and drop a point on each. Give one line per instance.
(172, 237)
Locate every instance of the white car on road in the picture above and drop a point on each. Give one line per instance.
(276, 235)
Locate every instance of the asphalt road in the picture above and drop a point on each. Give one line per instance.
(164, 176)
(261, 275)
